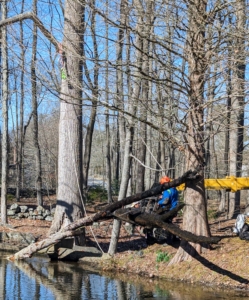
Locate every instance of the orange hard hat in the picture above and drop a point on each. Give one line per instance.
(165, 179)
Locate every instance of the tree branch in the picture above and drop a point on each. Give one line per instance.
(37, 21)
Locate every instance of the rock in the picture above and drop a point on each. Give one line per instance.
(15, 207)
(39, 208)
(10, 212)
(39, 218)
(24, 208)
(18, 237)
(49, 218)
(53, 211)
(129, 228)
(46, 213)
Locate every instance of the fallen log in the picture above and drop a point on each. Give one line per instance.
(129, 214)
(153, 220)
(70, 230)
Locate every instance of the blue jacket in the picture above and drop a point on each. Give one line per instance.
(169, 197)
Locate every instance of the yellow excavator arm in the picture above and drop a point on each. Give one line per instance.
(231, 183)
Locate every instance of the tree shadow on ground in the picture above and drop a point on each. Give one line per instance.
(208, 264)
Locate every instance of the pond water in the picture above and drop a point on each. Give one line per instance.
(39, 278)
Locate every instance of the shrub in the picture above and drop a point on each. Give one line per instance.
(97, 193)
(162, 256)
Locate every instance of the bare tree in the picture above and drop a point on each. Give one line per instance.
(195, 214)
(37, 153)
(237, 105)
(4, 181)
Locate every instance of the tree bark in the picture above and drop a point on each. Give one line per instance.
(4, 181)
(195, 214)
(37, 151)
(69, 195)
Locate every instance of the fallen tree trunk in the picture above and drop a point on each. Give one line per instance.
(154, 220)
(70, 230)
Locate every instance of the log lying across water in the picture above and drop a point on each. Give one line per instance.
(73, 228)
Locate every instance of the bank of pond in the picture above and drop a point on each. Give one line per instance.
(40, 278)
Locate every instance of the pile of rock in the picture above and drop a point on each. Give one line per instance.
(39, 213)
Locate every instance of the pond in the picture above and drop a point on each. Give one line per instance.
(39, 278)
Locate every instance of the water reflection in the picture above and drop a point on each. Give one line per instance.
(38, 278)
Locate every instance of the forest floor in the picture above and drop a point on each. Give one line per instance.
(224, 265)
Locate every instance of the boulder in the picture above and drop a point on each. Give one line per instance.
(15, 207)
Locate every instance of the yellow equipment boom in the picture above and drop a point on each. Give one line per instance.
(231, 183)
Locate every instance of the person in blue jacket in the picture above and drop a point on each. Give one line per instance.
(169, 197)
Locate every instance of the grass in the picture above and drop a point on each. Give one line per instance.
(162, 256)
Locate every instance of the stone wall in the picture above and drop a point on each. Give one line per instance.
(18, 212)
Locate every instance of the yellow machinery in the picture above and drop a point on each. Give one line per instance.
(231, 183)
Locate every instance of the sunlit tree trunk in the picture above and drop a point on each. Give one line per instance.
(69, 201)
(237, 105)
(195, 214)
(20, 135)
(107, 123)
(4, 182)
(37, 152)
(93, 98)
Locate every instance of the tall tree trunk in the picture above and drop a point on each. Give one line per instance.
(237, 105)
(222, 205)
(195, 214)
(20, 134)
(132, 104)
(107, 123)
(38, 171)
(69, 202)
(94, 98)
(4, 182)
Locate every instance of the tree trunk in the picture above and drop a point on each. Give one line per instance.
(237, 105)
(195, 214)
(20, 135)
(107, 123)
(132, 103)
(69, 201)
(37, 152)
(94, 98)
(4, 182)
